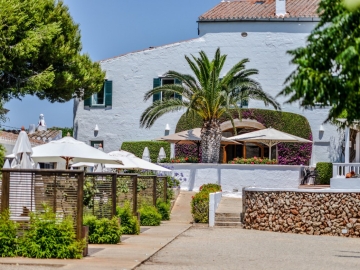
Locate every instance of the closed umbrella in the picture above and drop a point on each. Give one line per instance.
(21, 199)
(269, 137)
(146, 155)
(161, 155)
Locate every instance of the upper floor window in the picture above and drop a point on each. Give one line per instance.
(161, 82)
(103, 98)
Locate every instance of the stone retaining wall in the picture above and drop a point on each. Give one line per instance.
(305, 212)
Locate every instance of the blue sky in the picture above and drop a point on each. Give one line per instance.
(110, 28)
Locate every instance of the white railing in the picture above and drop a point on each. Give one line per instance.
(214, 200)
(341, 169)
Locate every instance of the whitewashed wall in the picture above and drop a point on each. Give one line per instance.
(132, 75)
(233, 177)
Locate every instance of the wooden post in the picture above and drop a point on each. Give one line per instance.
(154, 190)
(80, 197)
(5, 190)
(244, 150)
(224, 154)
(54, 193)
(165, 189)
(134, 179)
(113, 195)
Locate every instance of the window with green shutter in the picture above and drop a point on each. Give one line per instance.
(103, 98)
(108, 93)
(156, 83)
(164, 81)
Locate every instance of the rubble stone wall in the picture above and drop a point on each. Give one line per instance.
(315, 213)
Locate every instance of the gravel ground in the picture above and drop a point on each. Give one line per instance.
(235, 248)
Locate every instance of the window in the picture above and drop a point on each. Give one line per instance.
(161, 82)
(103, 98)
(96, 144)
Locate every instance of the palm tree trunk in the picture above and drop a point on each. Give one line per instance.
(210, 141)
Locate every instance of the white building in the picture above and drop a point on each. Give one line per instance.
(262, 31)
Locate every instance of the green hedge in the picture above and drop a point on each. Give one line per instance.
(298, 125)
(324, 170)
(149, 216)
(137, 148)
(200, 203)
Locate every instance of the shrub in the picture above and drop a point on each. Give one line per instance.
(254, 160)
(149, 216)
(200, 203)
(129, 223)
(210, 188)
(8, 239)
(137, 148)
(164, 209)
(49, 237)
(103, 231)
(324, 170)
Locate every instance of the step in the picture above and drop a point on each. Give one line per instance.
(227, 219)
(229, 215)
(228, 224)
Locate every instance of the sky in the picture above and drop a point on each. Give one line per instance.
(110, 28)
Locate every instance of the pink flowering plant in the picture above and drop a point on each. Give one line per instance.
(180, 160)
(254, 160)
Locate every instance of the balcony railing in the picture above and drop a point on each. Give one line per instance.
(341, 169)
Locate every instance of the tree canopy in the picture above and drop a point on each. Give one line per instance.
(328, 68)
(41, 53)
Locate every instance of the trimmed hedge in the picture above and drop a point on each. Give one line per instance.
(137, 148)
(200, 203)
(289, 153)
(324, 170)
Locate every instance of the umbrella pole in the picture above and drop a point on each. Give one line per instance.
(198, 150)
(270, 151)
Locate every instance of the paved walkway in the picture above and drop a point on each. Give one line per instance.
(127, 254)
(237, 249)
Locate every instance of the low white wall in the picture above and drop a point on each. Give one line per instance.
(214, 201)
(233, 177)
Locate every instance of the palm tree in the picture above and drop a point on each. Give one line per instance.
(207, 95)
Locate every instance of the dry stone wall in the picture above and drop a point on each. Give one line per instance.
(315, 213)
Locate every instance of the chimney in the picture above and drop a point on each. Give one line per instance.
(31, 128)
(280, 8)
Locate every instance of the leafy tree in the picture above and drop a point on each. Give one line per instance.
(208, 96)
(328, 68)
(40, 53)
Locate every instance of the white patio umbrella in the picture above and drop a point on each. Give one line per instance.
(269, 137)
(22, 152)
(6, 164)
(191, 136)
(146, 155)
(21, 199)
(68, 149)
(161, 155)
(130, 161)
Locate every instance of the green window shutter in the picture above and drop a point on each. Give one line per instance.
(156, 83)
(178, 96)
(108, 93)
(244, 103)
(87, 102)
